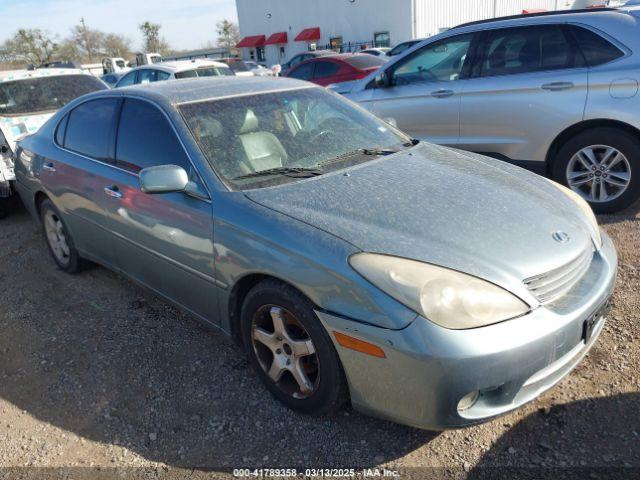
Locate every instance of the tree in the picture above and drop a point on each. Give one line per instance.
(153, 43)
(32, 46)
(228, 34)
(116, 45)
(88, 41)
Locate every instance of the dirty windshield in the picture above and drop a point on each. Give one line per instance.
(265, 139)
(43, 94)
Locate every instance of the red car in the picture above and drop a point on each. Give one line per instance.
(336, 68)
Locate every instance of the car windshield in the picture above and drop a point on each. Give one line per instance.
(260, 140)
(238, 66)
(120, 63)
(204, 72)
(43, 94)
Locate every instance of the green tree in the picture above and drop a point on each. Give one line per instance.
(153, 42)
(228, 34)
(32, 46)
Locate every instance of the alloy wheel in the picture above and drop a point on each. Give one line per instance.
(599, 173)
(285, 351)
(56, 238)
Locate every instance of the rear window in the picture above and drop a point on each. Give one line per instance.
(32, 95)
(365, 61)
(596, 49)
(205, 72)
(237, 65)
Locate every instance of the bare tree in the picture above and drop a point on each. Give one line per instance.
(115, 45)
(228, 34)
(88, 41)
(32, 46)
(153, 42)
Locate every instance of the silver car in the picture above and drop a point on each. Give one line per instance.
(554, 92)
(428, 286)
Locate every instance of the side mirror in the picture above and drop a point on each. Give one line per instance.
(382, 80)
(163, 179)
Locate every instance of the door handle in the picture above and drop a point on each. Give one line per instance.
(113, 191)
(442, 93)
(49, 167)
(557, 86)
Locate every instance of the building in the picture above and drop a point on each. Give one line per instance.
(272, 31)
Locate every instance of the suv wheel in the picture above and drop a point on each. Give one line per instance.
(58, 238)
(290, 349)
(603, 166)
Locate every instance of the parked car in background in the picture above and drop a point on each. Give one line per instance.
(28, 98)
(555, 92)
(257, 69)
(402, 47)
(301, 57)
(337, 68)
(347, 259)
(112, 78)
(174, 70)
(239, 67)
(378, 52)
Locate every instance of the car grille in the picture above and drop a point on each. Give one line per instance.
(552, 285)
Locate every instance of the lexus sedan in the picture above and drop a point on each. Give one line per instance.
(425, 285)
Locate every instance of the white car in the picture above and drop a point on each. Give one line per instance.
(258, 70)
(28, 98)
(174, 70)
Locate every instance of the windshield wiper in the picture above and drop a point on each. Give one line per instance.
(375, 152)
(296, 172)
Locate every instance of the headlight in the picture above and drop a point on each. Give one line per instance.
(586, 209)
(446, 297)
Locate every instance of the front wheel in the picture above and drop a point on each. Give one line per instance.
(290, 349)
(603, 166)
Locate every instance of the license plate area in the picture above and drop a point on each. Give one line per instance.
(590, 323)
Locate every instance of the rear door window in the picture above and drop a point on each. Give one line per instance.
(90, 128)
(596, 49)
(303, 72)
(151, 75)
(325, 69)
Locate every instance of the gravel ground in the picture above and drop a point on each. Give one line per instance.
(96, 372)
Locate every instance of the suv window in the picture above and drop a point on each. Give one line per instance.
(437, 62)
(303, 72)
(151, 75)
(596, 49)
(325, 69)
(527, 49)
(146, 139)
(90, 128)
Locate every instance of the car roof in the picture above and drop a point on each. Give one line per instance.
(175, 66)
(209, 88)
(11, 75)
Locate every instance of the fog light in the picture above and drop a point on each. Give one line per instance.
(468, 401)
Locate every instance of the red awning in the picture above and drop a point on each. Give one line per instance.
(251, 42)
(533, 10)
(308, 35)
(276, 38)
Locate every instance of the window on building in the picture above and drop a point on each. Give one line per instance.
(260, 54)
(283, 52)
(335, 43)
(381, 39)
(252, 54)
(528, 49)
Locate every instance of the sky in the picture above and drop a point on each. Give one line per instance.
(186, 24)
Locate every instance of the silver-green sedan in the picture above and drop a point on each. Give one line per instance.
(429, 286)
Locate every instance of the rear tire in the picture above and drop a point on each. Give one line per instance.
(58, 238)
(279, 327)
(603, 166)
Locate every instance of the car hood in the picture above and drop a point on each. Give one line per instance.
(343, 87)
(16, 127)
(438, 205)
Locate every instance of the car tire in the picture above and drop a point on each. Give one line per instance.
(326, 387)
(577, 154)
(58, 239)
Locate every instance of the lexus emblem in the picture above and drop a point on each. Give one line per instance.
(560, 237)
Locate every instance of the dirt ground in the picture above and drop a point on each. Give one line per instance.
(96, 372)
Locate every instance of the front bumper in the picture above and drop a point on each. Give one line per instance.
(429, 369)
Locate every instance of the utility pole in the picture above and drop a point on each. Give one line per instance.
(87, 43)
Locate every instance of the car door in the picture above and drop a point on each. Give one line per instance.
(423, 89)
(74, 179)
(164, 241)
(528, 84)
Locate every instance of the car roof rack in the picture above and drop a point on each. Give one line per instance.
(539, 14)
